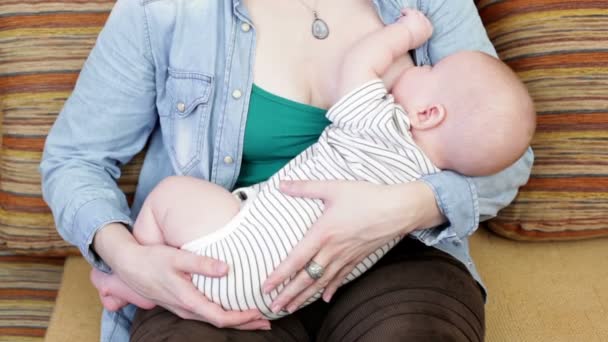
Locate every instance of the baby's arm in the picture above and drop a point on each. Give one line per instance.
(370, 57)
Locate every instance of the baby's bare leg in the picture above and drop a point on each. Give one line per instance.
(181, 209)
(177, 211)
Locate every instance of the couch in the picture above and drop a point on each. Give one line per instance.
(544, 258)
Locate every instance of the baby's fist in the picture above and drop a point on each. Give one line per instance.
(418, 25)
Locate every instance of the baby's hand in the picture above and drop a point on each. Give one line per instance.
(418, 25)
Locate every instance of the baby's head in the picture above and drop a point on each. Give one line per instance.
(469, 113)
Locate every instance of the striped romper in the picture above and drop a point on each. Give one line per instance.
(368, 140)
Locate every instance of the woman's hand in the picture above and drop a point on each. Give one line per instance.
(161, 274)
(359, 217)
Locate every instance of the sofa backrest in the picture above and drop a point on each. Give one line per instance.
(558, 47)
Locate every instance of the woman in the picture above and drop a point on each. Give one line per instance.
(178, 75)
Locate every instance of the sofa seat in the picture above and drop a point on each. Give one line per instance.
(555, 291)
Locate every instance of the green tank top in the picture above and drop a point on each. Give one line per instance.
(277, 130)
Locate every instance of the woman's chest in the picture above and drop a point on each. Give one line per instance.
(289, 60)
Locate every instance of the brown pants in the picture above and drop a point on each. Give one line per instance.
(414, 293)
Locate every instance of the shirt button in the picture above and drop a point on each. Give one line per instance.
(245, 27)
(236, 94)
(181, 107)
(456, 243)
(228, 160)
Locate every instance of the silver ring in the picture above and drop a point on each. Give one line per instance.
(314, 270)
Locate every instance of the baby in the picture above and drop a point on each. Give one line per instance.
(469, 113)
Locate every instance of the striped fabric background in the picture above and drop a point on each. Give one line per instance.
(560, 49)
(28, 287)
(43, 46)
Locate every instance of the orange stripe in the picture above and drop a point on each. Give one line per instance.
(34, 204)
(38, 82)
(21, 203)
(31, 332)
(23, 143)
(32, 259)
(559, 61)
(21, 2)
(516, 232)
(55, 247)
(54, 20)
(27, 293)
(559, 160)
(499, 10)
(567, 120)
(578, 184)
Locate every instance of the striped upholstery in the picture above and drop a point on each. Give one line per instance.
(28, 287)
(44, 43)
(560, 49)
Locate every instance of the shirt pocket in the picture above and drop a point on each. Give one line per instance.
(184, 122)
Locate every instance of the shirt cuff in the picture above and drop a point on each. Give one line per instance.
(457, 200)
(89, 219)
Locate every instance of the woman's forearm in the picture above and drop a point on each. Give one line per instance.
(110, 240)
(497, 191)
(465, 200)
(84, 150)
(417, 212)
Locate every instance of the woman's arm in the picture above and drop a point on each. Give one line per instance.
(105, 122)
(463, 200)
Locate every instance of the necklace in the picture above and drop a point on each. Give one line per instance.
(319, 27)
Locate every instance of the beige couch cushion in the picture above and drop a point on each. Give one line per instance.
(552, 292)
(77, 311)
(549, 292)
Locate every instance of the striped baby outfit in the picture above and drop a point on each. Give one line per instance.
(368, 140)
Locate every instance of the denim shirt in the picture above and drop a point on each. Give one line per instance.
(176, 75)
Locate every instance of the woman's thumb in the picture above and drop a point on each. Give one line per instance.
(308, 189)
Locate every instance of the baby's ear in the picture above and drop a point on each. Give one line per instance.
(428, 117)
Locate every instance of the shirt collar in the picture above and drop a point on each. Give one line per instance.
(388, 10)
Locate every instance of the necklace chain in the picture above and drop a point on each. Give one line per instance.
(313, 10)
(319, 27)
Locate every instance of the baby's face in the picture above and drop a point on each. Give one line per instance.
(413, 87)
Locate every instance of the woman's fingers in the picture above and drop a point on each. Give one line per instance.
(195, 264)
(301, 281)
(192, 304)
(309, 245)
(168, 283)
(303, 252)
(308, 189)
(337, 281)
(305, 292)
(192, 300)
(261, 324)
(228, 319)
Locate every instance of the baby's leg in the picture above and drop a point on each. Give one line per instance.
(178, 210)
(181, 209)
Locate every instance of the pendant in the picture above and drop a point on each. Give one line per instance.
(320, 30)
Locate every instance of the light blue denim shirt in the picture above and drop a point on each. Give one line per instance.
(176, 75)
